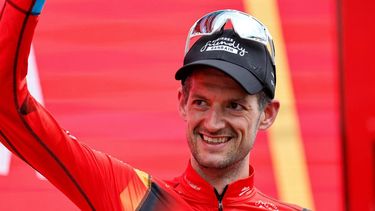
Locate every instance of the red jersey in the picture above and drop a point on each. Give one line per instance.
(93, 180)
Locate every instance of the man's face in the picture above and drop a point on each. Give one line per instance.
(222, 119)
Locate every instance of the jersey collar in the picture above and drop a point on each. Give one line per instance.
(203, 192)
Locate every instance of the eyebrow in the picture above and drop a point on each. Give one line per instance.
(195, 95)
(241, 100)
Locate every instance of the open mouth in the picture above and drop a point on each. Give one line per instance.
(214, 140)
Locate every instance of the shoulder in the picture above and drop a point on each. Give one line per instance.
(173, 182)
(266, 201)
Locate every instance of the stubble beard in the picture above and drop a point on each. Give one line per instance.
(228, 160)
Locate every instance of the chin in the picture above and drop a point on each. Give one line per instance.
(214, 162)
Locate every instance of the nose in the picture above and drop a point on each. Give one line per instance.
(214, 120)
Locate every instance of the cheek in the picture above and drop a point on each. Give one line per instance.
(247, 128)
(192, 116)
(192, 121)
(242, 123)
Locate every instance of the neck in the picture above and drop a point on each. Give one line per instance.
(221, 177)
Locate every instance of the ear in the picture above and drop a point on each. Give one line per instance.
(182, 104)
(269, 114)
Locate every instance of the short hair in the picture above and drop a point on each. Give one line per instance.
(262, 97)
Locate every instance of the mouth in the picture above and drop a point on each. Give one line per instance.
(214, 140)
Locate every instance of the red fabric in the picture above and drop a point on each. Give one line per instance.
(240, 195)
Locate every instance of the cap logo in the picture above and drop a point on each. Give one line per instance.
(272, 80)
(224, 44)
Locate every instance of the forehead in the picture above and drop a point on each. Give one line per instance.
(215, 79)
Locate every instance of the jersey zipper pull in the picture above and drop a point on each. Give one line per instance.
(220, 198)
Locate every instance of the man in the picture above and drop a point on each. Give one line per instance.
(227, 95)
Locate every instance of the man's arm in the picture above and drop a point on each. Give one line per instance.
(92, 180)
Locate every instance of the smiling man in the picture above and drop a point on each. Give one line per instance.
(228, 85)
(223, 121)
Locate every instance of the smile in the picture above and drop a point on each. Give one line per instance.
(214, 140)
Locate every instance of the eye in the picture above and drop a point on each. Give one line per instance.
(236, 106)
(199, 102)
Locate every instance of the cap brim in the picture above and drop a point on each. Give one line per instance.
(245, 78)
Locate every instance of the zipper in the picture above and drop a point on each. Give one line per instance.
(220, 198)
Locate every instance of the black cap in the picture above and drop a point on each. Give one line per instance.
(248, 62)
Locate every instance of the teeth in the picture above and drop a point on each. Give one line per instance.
(211, 140)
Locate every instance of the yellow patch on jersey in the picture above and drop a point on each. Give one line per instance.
(136, 190)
